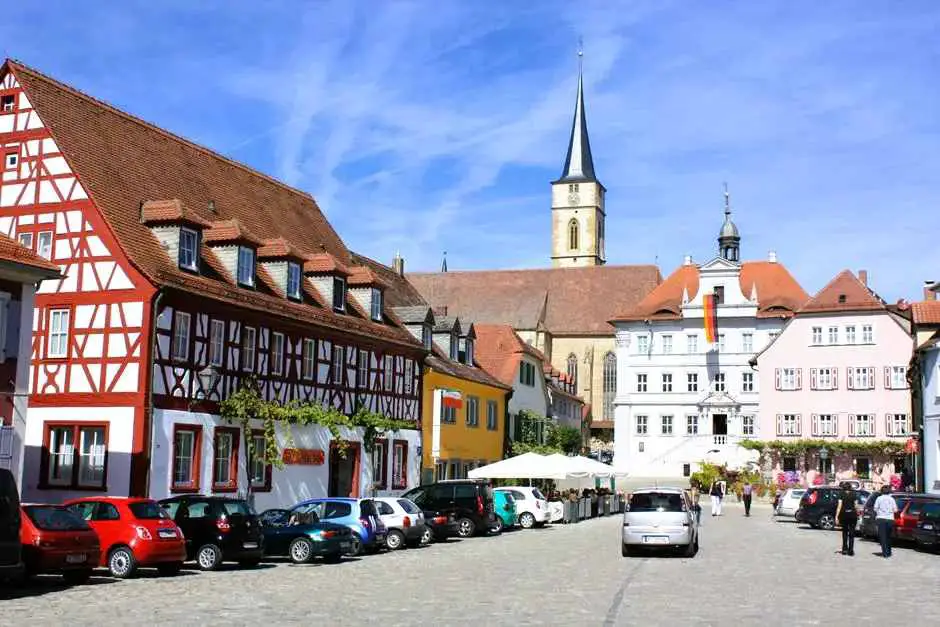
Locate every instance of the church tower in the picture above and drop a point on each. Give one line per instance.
(729, 240)
(578, 199)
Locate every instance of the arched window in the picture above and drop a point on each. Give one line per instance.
(610, 385)
(573, 370)
(573, 234)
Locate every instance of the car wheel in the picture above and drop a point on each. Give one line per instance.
(526, 520)
(427, 537)
(170, 568)
(497, 527)
(624, 550)
(355, 547)
(465, 527)
(208, 557)
(394, 540)
(121, 563)
(77, 577)
(827, 522)
(300, 550)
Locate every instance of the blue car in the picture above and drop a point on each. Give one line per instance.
(360, 515)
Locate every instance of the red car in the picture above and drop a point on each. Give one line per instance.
(905, 520)
(134, 532)
(55, 540)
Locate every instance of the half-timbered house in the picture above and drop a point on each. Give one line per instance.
(183, 275)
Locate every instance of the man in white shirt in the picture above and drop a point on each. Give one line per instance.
(885, 508)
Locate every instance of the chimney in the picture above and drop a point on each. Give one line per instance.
(687, 260)
(929, 294)
(772, 256)
(398, 264)
(863, 277)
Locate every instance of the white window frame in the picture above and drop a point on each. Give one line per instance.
(472, 417)
(667, 425)
(249, 348)
(57, 341)
(868, 334)
(44, 244)
(409, 376)
(748, 425)
(259, 443)
(25, 239)
(691, 424)
(362, 369)
(642, 344)
(789, 379)
(308, 359)
(895, 377)
(339, 293)
(245, 269)
(667, 344)
(897, 424)
(192, 237)
(691, 382)
(861, 378)
(850, 334)
(338, 363)
(691, 344)
(862, 420)
(216, 342)
(294, 281)
(642, 424)
(789, 425)
(817, 336)
(833, 335)
(747, 381)
(182, 327)
(277, 353)
(388, 370)
(642, 383)
(376, 304)
(825, 378)
(721, 342)
(667, 381)
(719, 382)
(9, 103)
(747, 342)
(825, 425)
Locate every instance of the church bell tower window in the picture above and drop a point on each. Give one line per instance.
(573, 234)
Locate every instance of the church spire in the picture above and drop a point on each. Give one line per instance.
(579, 164)
(729, 240)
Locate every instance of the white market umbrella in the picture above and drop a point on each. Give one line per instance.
(525, 466)
(594, 467)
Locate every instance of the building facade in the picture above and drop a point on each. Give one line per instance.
(925, 379)
(838, 372)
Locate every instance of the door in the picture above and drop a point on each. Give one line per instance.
(107, 523)
(719, 424)
(9, 520)
(344, 469)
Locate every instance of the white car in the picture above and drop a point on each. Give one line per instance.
(789, 502)
(531, 505)
(404, 520)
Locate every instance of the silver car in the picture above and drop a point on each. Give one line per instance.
(660, 518)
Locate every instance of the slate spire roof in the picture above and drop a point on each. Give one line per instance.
(579, 164)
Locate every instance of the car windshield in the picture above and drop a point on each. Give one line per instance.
(53, 518)
(409, 507)
(797, 492)
(147, 510)
(538, 495)
(656, 502)
(932, 511)
(238, 508)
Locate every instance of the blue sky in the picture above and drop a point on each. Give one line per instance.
(431, 126)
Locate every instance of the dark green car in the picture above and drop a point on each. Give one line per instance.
(300, 535)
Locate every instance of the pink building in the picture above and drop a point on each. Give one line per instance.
(838, 371)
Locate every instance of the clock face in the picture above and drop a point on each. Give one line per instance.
(573, 198)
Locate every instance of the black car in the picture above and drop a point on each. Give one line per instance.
(468, 501)
(11, 564)
(818, 506)
(217, 529)
(442, 525)
(927, 531)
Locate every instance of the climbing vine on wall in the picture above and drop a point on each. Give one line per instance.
(835, 447)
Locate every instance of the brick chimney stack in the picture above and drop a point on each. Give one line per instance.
(398, 264)
(863, 277)
(929, 294)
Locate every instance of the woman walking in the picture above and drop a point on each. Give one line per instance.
(715, 493)
(847, 516)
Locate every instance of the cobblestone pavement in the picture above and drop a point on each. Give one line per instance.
(750, 571)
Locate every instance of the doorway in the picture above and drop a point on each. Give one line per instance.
(719, 424)
(344, 469)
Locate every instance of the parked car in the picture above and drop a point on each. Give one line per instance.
(907, 517)
(505, 509)
(133, 532)
(789, 502)
(359, 515)
(441, 525)
(217, 529)
(866, 525)
(660, 518)
(404, 522)
(927, 532)
(299, 534)
(818, 506)
(531, 505)
(54, 540)
(470, 501)
(11, 561)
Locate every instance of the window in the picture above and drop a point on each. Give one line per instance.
(573, 234)
(186, 447)
(667, 382)
(388, 380)
(225, 459)
(747, 342)
(789, 425)
(861, 378)
(277, 353)
(454, 347)
(409, 376)
(75, 455)
(527, 373)
(789, 378)
(246, 266)
(747, 425)
(7, 103)
(747, 382)
(642, 344)
(867, 334)
(721, 342)
(180, 349)
(719, 382)
(824, 466)
(863, 467)
(610, 385)
(789, 464)
(850, 334)
(898, 425)
(833, 335)
(426, 336)
(667, 345)
(58, 333)
(691, 424)
(338, 365)
(399, 465)
(293, 281)
(825, 425)
(468, 351)
(473, 411)
(823, 378)
(189, 250)
(896, 377)
(376, 304)
(10, 161)
(492, 415)
(667, 425)
(449, 414)
(641, 425)
(817, 336)
(861, 425)
(641, 382)
(362, 374)
(691, 344)
(26, 240)
(339, 293)
(692, 381)
(248, 349)
(308, 359)
(380, 464)
(572, 368)
(719, 293)
(44, 244)
(259, 473)
(216, 342)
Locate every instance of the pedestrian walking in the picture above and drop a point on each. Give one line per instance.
(696, 506)
(746, 494)
(715, 493)
(885, 509)
(847, 517)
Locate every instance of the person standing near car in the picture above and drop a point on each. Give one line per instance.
(696, 505)
(885, 508)
(715, 493)
(847, 517)
(746, 494)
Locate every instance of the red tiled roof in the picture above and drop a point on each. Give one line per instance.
(926, 312)
(324, 263)
(13, 252)
(363, 275)
(843, 293)
(499, 350)
(279, 248)
(229, 231)
(162, 211)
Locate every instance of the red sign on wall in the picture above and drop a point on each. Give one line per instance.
(303, 456)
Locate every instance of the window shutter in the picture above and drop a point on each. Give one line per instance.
(799, 378)
(777, 378)
(815, 419)
(849, 380)
(851, 424)
(835, 379)
(889, 427)
(813, 380)
(799, 424)
(779, 422)
(887, 377)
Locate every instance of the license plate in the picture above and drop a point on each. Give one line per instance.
(250, 545)
(76, 558)
(167, 533)
(345, 545)
(927, 526)
(655, 540)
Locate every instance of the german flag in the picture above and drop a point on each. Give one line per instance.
(711, 319)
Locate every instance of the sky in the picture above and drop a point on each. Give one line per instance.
(430, 126)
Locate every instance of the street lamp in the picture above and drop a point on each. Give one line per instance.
(208, 377)
(823, 456)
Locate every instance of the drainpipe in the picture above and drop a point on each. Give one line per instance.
(154, 311)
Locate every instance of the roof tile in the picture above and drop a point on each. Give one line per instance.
(13, 252)
(926, 312)
(845, 292)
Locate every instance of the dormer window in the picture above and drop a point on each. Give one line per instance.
(426, 336)
(376, 304)
(293, 280)
(246, 266)
(7, 102)
(189, 249)
(469, 352)
(339, 293)
(719, 294)
(454, 347)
